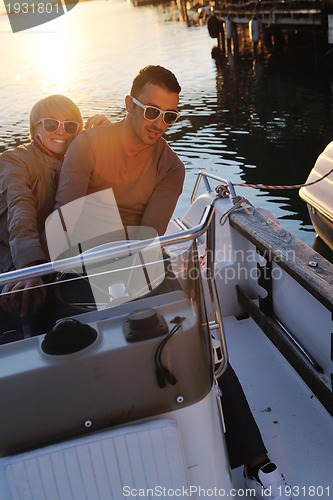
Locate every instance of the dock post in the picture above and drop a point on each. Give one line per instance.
(221, 41)
(228, 32)
(254, 30)
(235, 38)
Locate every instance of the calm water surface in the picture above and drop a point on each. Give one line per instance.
(251, 122)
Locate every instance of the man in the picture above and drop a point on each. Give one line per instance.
(131, 156)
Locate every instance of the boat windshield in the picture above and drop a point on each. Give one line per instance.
(82, 238)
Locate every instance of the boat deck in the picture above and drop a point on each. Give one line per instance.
(297, 430)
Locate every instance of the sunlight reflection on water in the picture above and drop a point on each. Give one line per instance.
(243, 122)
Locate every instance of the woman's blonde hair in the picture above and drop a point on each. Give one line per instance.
(53, 106)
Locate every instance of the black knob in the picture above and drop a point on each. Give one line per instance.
(141, 319)
(68, 336)
(144, 324)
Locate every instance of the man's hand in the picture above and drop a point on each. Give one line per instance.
(97, 121)
(23, 297)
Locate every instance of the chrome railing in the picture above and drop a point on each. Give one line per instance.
(204, 176)
(105, 255)
(115, 252)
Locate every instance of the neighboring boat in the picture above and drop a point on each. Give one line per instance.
(318, 196)
(121, 401)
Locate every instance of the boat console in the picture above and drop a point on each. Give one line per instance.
(97, 371)
(106, 366)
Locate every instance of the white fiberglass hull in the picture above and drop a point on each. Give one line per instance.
(97, 423)
(318, 196)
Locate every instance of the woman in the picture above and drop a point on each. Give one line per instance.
(28, 183)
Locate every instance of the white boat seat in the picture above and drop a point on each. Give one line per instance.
(105, 465)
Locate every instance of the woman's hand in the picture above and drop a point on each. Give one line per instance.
(23, 297)
(97, 121)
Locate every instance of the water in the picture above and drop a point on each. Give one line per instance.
(251, 122)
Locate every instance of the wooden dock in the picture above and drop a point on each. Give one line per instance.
(271, 23)
(294, 13)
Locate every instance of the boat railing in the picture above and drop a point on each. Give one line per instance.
(113, 252)
(103, 255)
(204, 177)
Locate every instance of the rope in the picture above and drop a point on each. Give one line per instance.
(238, 202)
(292, 186)
(222, 191)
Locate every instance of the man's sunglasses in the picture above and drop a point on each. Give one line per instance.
(52, 125)
(151, 113)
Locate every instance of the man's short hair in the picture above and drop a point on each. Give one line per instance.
(156, 75)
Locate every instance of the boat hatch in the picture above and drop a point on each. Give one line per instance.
(100, 466)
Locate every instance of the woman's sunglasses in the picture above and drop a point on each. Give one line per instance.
(52, 125)
(151, 113)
